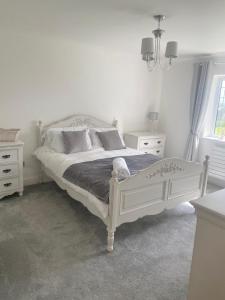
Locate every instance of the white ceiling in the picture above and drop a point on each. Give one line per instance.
(198, 26)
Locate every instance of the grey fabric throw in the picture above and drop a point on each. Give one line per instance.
(94, 176)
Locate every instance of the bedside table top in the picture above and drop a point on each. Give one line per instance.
(212, 203)
(146, 134)
(11, 144)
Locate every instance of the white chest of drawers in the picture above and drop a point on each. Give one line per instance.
(207, 277)
(11, 168)
(146, 142)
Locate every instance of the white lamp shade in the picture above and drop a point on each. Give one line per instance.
(147, 46)
(171, 49)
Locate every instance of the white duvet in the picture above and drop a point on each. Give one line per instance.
(57, 163)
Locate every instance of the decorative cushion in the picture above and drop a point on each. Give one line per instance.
(111, 140)
(96, 142)
(76, 141)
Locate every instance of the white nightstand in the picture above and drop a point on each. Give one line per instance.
(11, 168)
(146, 142)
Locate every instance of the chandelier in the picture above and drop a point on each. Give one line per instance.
(151, 49)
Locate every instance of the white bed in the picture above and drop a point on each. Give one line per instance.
(57, 163)
(161, 186)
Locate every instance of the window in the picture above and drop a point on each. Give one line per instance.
(219, 124)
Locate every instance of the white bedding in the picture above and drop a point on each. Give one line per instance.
(57, 163)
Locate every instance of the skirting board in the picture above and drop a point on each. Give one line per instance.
(35, 180)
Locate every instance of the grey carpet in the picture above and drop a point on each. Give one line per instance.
(52, 248)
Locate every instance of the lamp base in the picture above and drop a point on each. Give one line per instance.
(153, 127)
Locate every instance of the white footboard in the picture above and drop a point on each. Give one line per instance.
(161, 186)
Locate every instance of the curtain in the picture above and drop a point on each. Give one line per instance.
(199, 102)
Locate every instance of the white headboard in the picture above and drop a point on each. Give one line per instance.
(73, 121)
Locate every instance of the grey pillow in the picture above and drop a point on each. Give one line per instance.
(75, 141)
(110, 140)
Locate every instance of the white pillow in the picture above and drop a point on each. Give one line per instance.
(54, 139)
(96, 143)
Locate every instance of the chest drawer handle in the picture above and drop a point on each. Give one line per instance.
(7, 184)
(6, 156)
(145, 144)
(159, 142)
(7, 171)
(158, 151)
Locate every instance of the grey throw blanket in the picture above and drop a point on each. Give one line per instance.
(94, 176)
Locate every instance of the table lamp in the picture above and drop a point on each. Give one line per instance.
(153, 117)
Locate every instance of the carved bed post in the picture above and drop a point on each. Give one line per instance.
(205, 175)
(111, 228)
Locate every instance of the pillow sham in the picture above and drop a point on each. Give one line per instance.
(54, 139)
(75, 141)
(111, 140)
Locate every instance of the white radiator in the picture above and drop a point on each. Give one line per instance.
(217, 162)
(216, 150)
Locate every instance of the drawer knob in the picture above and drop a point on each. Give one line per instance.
(159, 142)
(145, 143)
(6, 156)
(7, 184)
(7, 171)
(158, 151)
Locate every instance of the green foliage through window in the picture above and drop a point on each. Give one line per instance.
(219, 130)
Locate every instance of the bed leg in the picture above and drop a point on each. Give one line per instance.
(110, 240)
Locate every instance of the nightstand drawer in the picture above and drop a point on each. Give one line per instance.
(9, 184)
(151, 143)
(8, 171)
(11, 168)
(7, 156)
(154, 151)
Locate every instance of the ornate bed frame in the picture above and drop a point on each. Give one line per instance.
(161, 186)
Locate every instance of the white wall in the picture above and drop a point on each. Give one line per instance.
(175, 107)
(49, 78)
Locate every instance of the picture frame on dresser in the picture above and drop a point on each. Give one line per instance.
(11, 168)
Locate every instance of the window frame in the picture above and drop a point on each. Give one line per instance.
(216, 99)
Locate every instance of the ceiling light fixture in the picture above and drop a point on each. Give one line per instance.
(151, 49)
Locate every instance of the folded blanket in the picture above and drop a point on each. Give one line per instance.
(94, 176)
(120, 168)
